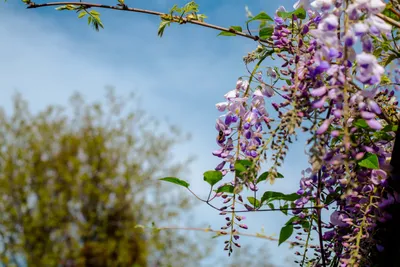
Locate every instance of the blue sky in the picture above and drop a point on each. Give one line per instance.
(47, 55)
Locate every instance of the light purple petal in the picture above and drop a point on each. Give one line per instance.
(319, 91)
(324, 126)
(374, 124)
(367, 115)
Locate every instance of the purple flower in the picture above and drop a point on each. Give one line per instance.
(319, 91)
(221, 106)
(324, 126)
(319, 103)
(337, 219)
(374, 124)
(267, 90)
(330, 23)
(367, 115)
(349, 38)
(328, 235)
(368, 69)
(360, 28)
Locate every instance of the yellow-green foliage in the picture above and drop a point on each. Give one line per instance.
(73, 188)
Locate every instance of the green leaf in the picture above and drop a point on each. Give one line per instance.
(226, 189)
(285, 233)
(191, 7)
(377, 52)
(271, 195)
(161, 28)
(361, 123)
(261, 16)
(81, 14)
(390, 128)
(370, 161)
(175, 180)
(253, 201)
(234, 28)
(300, 13)
(95, 13)
(242, 167)
(383, 136)
(264, 176)
(266, 32)
(290, 197)
(291, 220)
(390, 58)
(306, 225)
(284, 209)
(212, 177)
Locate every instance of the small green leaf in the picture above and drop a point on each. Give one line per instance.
(390, 128)
(284, 209)
(361, 123)
(212, 177)
(176, 181)
(234, 28)
(266, 32)
(239, 167)
(285, 233)
(161, 28)
(81, 14)
(300, 13)
(291, 220)
(226, 189)
(370, 161)
(264, 176)
(390, 58)
(95, 13)
(290, 197)
(271, 205)
(253, 201)
(306, 225)
(270, 195)
(242, 167)
(261, 16)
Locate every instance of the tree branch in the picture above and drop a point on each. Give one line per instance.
(389, 20)
(150, 12)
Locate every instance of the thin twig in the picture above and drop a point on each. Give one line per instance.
(257, 235)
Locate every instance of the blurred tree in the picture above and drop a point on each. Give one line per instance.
(73, 188)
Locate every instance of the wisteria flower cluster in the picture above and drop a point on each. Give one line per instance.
(335, 91)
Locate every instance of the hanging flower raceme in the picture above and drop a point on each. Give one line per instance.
(347, 116)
